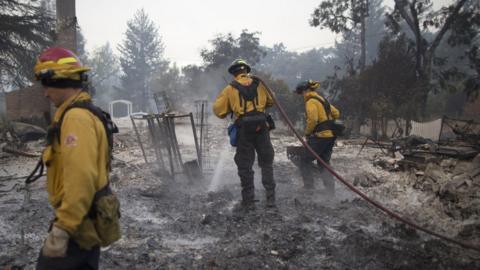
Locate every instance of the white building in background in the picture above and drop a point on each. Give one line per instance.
(114, 111)
(120, 111)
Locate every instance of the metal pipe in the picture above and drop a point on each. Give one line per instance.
(167, 144)
(173, 134)
(158, 154)
(179, 116)
(201, 132)
(169, 134)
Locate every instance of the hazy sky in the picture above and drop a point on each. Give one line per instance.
(187, 26)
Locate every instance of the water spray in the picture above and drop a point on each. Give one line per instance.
(219, 167)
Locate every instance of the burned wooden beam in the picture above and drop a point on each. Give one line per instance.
(199, 157)
(138, 138)
(10, 150)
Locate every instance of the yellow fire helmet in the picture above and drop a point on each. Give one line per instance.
(306, 85)
(313, 84)
(58, 63)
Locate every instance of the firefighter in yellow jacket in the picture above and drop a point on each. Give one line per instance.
(319, 114)
(77, 158)
(247, 98)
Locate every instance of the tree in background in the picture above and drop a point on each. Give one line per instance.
(206, 80)
(457, 21)
(200, 83)
(346, 17)
(291, 102)
(293, 67)
(375, 28)
(226, 48)
(171, 82)
(472, 84)
(104, 74)
(281, 69)
(353, 19)
(141, 55)
(25, 29)
(385, 90)
(465, 35)
(81, 42)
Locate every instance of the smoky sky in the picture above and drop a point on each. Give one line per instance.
(186, 26)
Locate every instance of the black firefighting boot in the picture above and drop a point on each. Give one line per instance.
(306, 171)
(243, 207)
(270, 199)
(247, 203)
(329, 183)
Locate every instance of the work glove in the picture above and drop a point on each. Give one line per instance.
(56, 243)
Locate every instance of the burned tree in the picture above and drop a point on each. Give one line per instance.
(344, 16)
(25, 28)
(419, 16)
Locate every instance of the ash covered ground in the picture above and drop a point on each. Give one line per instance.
(188, 224)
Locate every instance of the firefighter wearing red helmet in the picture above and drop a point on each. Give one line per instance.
(77, 159)
(247, 99)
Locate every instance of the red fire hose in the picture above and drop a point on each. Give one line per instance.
(351, 187)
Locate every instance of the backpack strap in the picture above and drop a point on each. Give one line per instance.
(55, 130)
(247, 93)
(104, 117)
(256, 83)
(36, 173)
(327, 124)
(325, 104)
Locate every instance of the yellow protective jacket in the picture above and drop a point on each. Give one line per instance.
(76, 170)
(229, 99)
(315, 113)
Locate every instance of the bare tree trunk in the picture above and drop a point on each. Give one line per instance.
(374, 128)
(399, 130)
(424, 52)
(356, 124)
(66, 24)
(3, 106)
(362, 61)
(384, 127)
(363, 53)
(408, 126)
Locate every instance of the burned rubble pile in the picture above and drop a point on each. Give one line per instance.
(19, 138)
(457, 184)
(445, 175)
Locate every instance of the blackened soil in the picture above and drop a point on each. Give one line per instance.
(190, 228)
(177, 224)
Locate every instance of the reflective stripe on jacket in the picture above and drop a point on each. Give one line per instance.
(315, 113)
(228, 101)
(76, 170)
